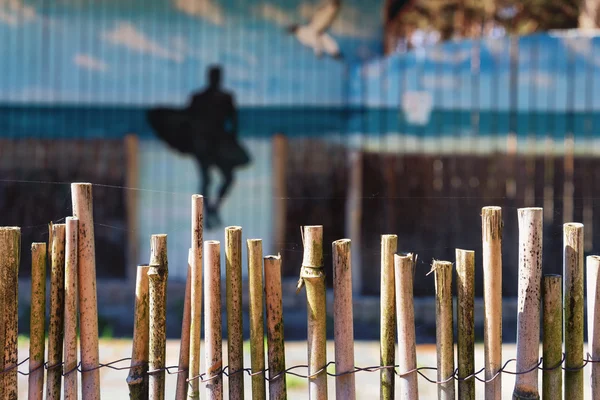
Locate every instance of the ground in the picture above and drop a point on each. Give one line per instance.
(366, 352)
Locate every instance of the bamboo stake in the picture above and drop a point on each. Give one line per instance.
(138, 374)
(10, 246)
(70, 330)
(57, 311)
(573, 318)
(465, 273)
(314, 278)
(196, 296)
(444, 329)
(157, 282)
(257, 344)
(343, 320)
(275, 338)
(407, 360)
(184, 347)
(530, 282)
(389, 245)
(491, 218)
(233, 289)
(552, 347)
(82, 199)
(212, 320)
(593, 298)
(37, 342)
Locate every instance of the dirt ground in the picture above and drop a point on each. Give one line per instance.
(114, 386)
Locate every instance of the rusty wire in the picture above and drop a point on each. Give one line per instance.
(174, 370)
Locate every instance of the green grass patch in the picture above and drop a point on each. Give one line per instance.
(295, 383)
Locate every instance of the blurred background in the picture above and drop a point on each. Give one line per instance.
(369, 118)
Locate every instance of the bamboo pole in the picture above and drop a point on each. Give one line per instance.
(345, 387)
(184, 347)
(37, 322)
(257, 344)
(138, 374)
(314, 279)
(491, 219)
(593, 298)
(233, 289)
(444, 329)
(389, 245)
(212, 320)
(275, 338)
(70, 346)
(408, 388)
(82, 199)
(196, 296)
(57, 312)
(530, 286)
(157, 282)
(552, 340)
(465, 273)
(10, 247)
(573, 318)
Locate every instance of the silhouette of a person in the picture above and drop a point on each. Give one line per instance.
(214, 130)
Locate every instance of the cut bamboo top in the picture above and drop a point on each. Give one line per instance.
(492, 222)
(439, 265)
(341, 241)
(313, 244)
(197, 222)
(572, 226)
(158, 250)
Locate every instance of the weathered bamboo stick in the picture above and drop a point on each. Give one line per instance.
(138, 374)
(233, 289)
(69, 369)
(196, 296)
(465, 273)
(212, 320)
(257, 344)
(491, 219)
(552, 341)
(345, 387)
(10, 248)
(530, 287)
(37, 322)
(57, 312)
(314, 279)
(593, 302)
(157, 282)
(275, 338)
(82, 199)
(573, 306)
(408, 388)
(389, 245)
(444, 329)
(184, 347)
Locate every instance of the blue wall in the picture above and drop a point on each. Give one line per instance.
(155, 51)
(91, 69)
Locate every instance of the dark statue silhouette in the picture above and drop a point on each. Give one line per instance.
(207, 129)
